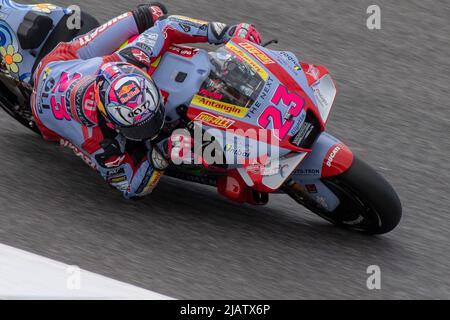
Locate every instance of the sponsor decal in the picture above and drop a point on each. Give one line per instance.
(84, 40)
(80, 102)
(219, 106)
(236, 151)
(214, 121)
(257, 53)
(268, 169)
(11, 58)
(154, 180)
(183, 51)
(186, 28)
(156, 11)
(291, 61)
(118, 179)
(114, 172)
(147, 41)
(187, 19)
(212, 95)
(311, 188)
(149, 182)
(338, 160)
(305, 130)
(144, 47)
(86, 158)
(120, 183)
(333, 155)
(313, 72)
(47, 73)
(141, 56)
(44, 7)
(320, 98)
(261, 101)
(307, 172)
(128, 92)
(325, 93)
(241, 54)
(10, 53)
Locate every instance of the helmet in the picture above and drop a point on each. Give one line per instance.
(129, 100)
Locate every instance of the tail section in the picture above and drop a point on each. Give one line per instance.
(23, 31)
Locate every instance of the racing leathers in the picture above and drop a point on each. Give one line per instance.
(63, 101)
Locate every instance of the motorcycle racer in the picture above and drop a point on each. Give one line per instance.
(102, 102)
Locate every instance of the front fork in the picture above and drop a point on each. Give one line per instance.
(329, 158)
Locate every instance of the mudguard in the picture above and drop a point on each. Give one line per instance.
(330, 157)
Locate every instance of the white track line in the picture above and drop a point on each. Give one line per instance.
(24, 275)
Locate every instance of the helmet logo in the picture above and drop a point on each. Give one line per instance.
(139, 110)
(131, 106)
(128, 91)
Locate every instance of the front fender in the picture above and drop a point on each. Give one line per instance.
(329, 157)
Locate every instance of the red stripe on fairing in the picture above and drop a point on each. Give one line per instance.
(286, 79)
(244, 126)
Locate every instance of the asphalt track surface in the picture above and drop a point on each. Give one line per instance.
(185, 241)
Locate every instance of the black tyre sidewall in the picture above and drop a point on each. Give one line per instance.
(372, 189)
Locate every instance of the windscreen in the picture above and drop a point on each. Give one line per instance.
(231, 80)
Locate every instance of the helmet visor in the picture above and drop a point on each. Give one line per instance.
(147, 129)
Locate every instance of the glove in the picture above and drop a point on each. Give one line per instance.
(245, 31)
(113, 154)
(146, 15)
(158, 9)
(158, 158)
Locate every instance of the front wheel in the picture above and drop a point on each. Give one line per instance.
(368, 203)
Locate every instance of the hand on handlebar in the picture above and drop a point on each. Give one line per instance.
(246, 31)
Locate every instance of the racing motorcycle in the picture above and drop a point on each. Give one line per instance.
(240, 86)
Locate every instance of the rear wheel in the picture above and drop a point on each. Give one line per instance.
(14, 99)
(368, 203)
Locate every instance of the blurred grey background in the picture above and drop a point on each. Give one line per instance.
(187, 242)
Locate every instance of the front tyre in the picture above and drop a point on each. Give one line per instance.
(368, 203)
